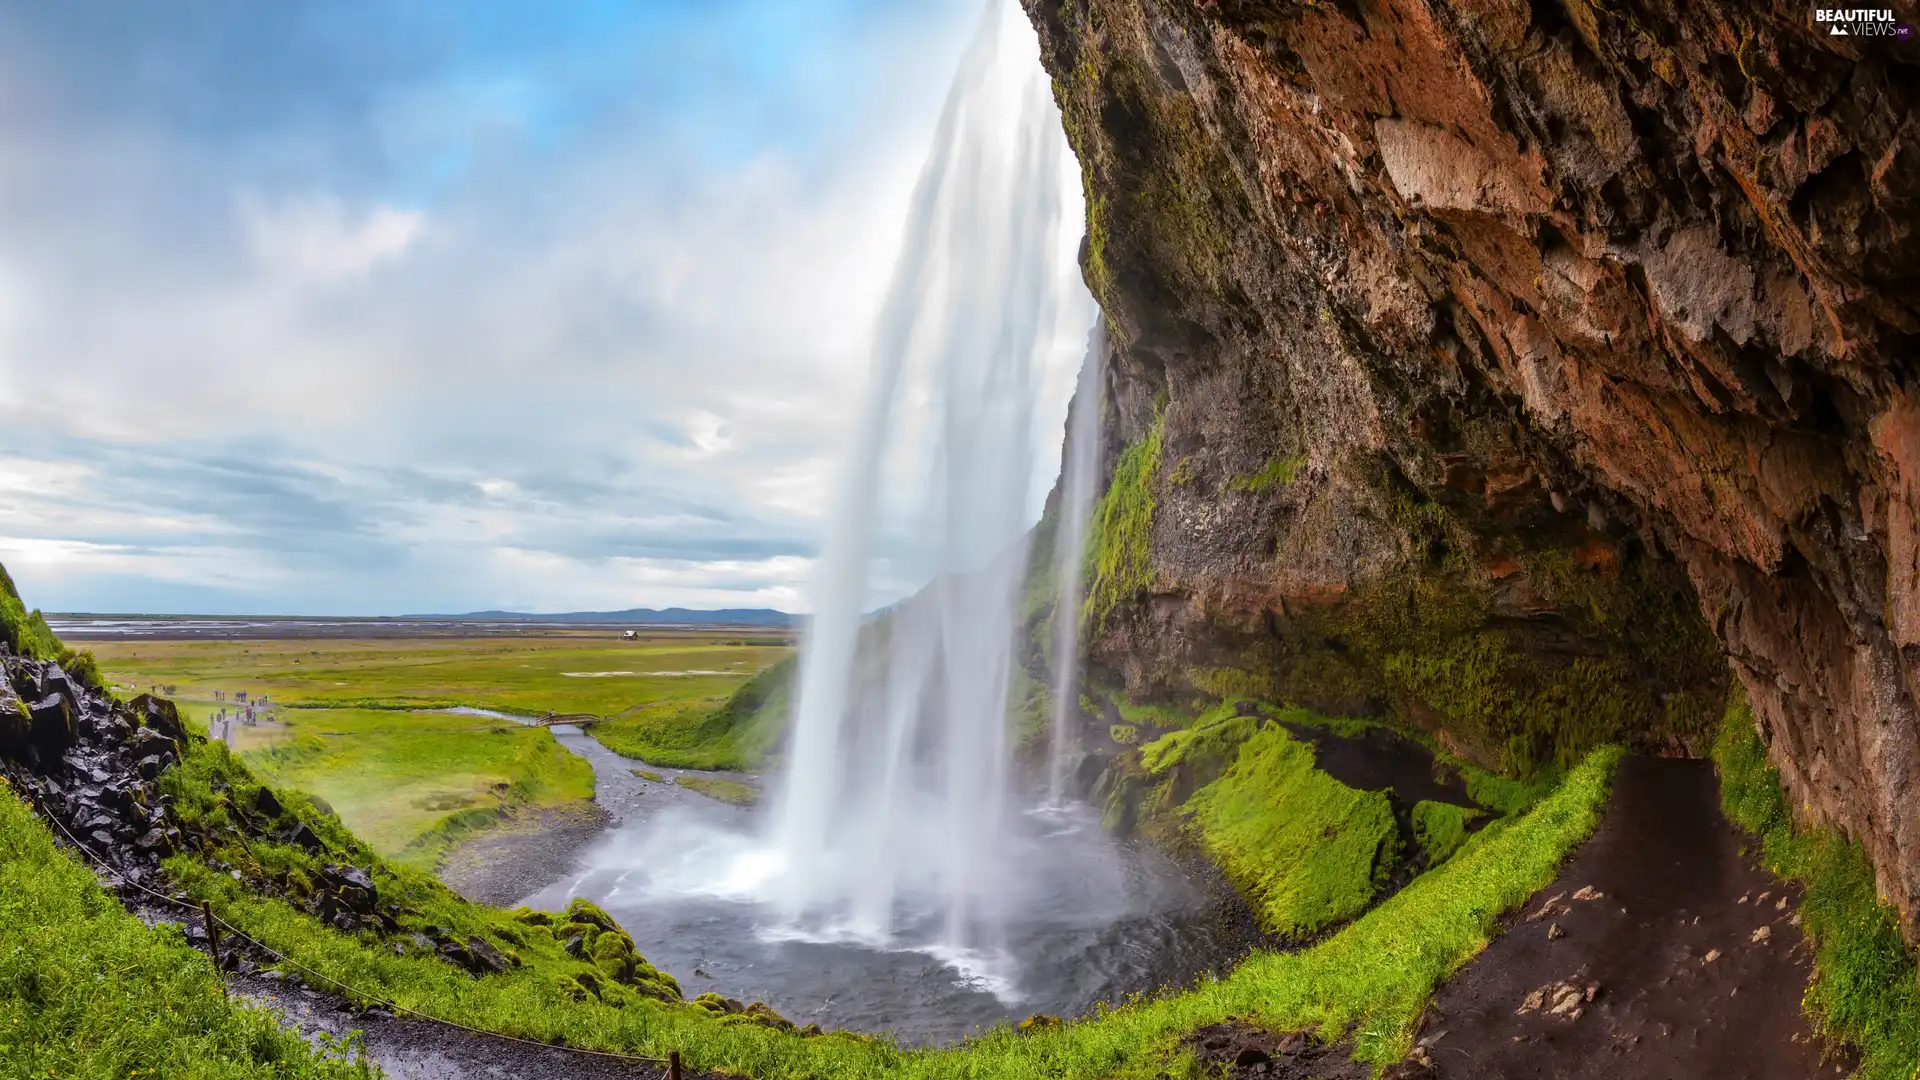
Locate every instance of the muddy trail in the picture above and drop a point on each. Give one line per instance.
(409, 1049)
(1663, 951)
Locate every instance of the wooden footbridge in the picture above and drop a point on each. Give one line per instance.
(577, 719)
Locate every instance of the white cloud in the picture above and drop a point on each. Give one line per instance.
(611, 584)
(319, 238)
(53, 561)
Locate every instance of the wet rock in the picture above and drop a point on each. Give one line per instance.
(492, 958)
(1554, 933)
(1761, 935)
(1547, 909)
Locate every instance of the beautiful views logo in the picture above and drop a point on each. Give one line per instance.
(1862, 22)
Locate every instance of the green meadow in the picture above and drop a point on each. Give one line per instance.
(410, 783)
(361, 723)
(565, 673)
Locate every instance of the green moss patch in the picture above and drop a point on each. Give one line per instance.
(727, 791)
(1278, 472)
(1307, 851)
(1207, 747)
(1119, 560)
(1440, 828)
(1865, 990)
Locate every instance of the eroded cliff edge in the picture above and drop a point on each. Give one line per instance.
(1514, 368)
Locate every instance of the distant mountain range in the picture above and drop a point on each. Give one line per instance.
(680, 616)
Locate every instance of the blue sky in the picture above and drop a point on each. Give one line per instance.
(363, 307)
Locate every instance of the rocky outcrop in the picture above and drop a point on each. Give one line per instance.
(1515, 366)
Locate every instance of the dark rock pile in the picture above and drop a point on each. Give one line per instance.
(91, 763)
(1249, 1050)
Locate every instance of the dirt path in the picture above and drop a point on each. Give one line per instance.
(407, 1049)
(1662, 952)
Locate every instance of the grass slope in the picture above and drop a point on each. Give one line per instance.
(1865, 989)
(409, 783)
(1305, 849)
(737, 734)
(87, 990)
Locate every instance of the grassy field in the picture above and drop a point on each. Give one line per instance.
(570, 673)
(347, 725)
(409, 783)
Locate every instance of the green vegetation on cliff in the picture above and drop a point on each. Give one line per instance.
(737, 734)
(27, 634)
(1277, 472)
(1439, 638)
(1865, 990)
(1119, 560)
(87, 990)
(1307, 851)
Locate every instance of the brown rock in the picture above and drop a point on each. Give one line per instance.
(1419, 245)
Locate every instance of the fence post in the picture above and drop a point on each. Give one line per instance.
(673, 1065)
(213, 944)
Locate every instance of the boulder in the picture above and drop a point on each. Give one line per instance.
(582, 910)
(159, 714)
(350, 887)
(266, 803)
(52, 723)
(16, 723)
(303, 837)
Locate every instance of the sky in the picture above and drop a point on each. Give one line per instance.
(374, 308)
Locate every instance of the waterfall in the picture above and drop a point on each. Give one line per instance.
(1079, 482)
(889, 819)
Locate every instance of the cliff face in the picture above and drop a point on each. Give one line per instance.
(1515, 367)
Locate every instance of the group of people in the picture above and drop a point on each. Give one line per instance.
(249, 713)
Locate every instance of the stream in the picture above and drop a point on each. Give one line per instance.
(1094, 919)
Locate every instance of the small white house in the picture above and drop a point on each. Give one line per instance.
(631, 635)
